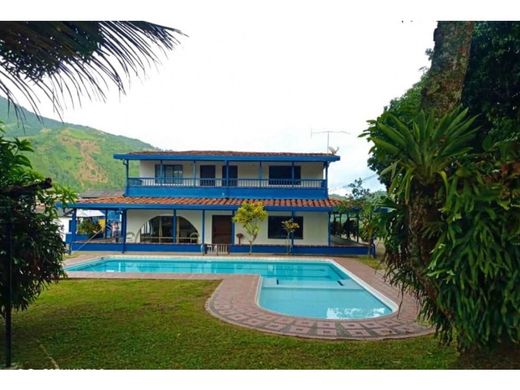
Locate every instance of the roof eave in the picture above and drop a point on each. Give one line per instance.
(210, 157)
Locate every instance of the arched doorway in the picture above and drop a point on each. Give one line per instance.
(160, 230)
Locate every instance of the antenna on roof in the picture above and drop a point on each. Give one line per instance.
(329, 132)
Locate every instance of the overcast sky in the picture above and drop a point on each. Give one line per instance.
(261, 78)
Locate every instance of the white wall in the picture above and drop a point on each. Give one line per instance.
(246, 170)
(315, 229)
(315, 225)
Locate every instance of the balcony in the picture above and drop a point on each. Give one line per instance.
(195, 187)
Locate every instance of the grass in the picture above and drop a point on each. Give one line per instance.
(372, 262)
(141, 324)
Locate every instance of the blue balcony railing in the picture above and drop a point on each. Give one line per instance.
(217, 182)
(218, 187)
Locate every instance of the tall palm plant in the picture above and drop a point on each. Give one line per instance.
(425, 153)
(68, 60)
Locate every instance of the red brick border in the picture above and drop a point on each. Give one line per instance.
(235, 301)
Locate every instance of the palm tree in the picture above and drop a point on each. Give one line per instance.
(68, 60)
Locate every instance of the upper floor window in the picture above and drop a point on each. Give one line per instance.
(172, 174)
(284, 174)
(229, 175)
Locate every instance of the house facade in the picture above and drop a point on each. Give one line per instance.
(185, 202)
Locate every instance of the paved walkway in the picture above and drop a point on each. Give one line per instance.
(234, 301)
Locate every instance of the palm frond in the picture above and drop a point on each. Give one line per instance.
(68, 61)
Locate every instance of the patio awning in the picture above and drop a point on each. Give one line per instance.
(89, 213)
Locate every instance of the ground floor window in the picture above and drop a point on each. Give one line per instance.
(275, 227)
(160, 230)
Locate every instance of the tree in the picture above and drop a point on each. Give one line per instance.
(290, 227)
(65, 61)
(28, 224)
(492, 84)
(69, 60)
(443, 87)
(89, 227)
(249, 215)
(406, 109)
(453, 228)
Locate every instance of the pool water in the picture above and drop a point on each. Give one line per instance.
(309, 288)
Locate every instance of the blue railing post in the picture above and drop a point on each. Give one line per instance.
(106, 225)
(292, 174)
(73, 228)
(260, 174)
(327, 178)
(194, 173)
(161, 172)
(126, 163)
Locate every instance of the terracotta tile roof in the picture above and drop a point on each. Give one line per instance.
(324, 203)
(227, 153)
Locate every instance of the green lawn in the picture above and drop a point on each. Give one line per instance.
(162, 324)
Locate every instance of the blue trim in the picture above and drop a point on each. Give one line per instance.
(95, 246)
(227, 192)
(195, 248)
(126, 163)
(106, 224)
(303, 250)
(74, 225)
(133, 247)
(214, 157)
(327, 177)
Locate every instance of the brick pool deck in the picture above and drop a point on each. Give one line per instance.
(234, 301)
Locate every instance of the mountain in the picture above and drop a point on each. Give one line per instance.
(73, 155)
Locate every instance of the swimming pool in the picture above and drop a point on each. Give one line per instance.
(303, 288)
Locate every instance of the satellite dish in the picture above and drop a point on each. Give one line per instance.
(332, 150)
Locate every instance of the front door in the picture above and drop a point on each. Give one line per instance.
(221, 229)
(207, 175)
